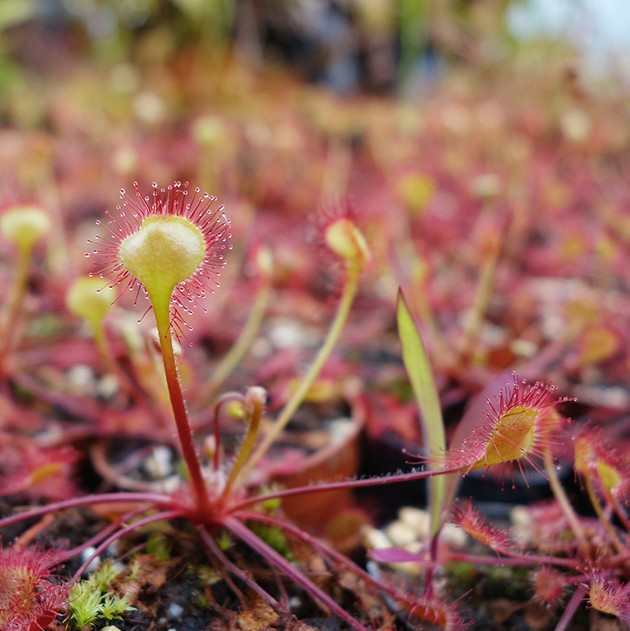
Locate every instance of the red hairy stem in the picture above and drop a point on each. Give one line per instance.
(267, 552)
(514, 559)
(325, 549)
(571, 608)
(151, 499)
(234, 569)
(346, 484)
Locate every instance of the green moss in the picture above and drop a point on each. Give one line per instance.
(224, 540)
(489, 582)
(159, 546)
(275, 538)
(201, 601)
(92, 600)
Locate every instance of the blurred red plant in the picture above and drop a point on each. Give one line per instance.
(30, 599)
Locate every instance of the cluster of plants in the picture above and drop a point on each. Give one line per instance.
(392, 259)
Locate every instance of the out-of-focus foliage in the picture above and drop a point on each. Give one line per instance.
(14, 12)
(348, 44)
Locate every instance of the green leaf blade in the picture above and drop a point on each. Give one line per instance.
(416, 361)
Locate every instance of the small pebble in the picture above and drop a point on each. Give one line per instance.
(260, 348)
(339, 429)
(81, 378)
(400, 534)
(417, 520)
(376, 539)
(107, 386)
(287, 334)
(522, 524)
(454, 537)
(175, 610)
(94, 563)
(160, 463)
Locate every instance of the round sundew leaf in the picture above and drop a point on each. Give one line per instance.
(164, 252)
(171, 244)
(512, 437)
(89, 299)
(24, 225)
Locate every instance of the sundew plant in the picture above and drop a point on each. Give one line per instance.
(170, 248)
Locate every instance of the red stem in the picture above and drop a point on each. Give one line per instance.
(345, 484)
(234, 569)
(162, 318)
(326, 550)
(571, 608)
(118, 498)
(274, 558)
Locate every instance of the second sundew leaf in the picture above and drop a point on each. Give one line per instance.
(420, 375)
